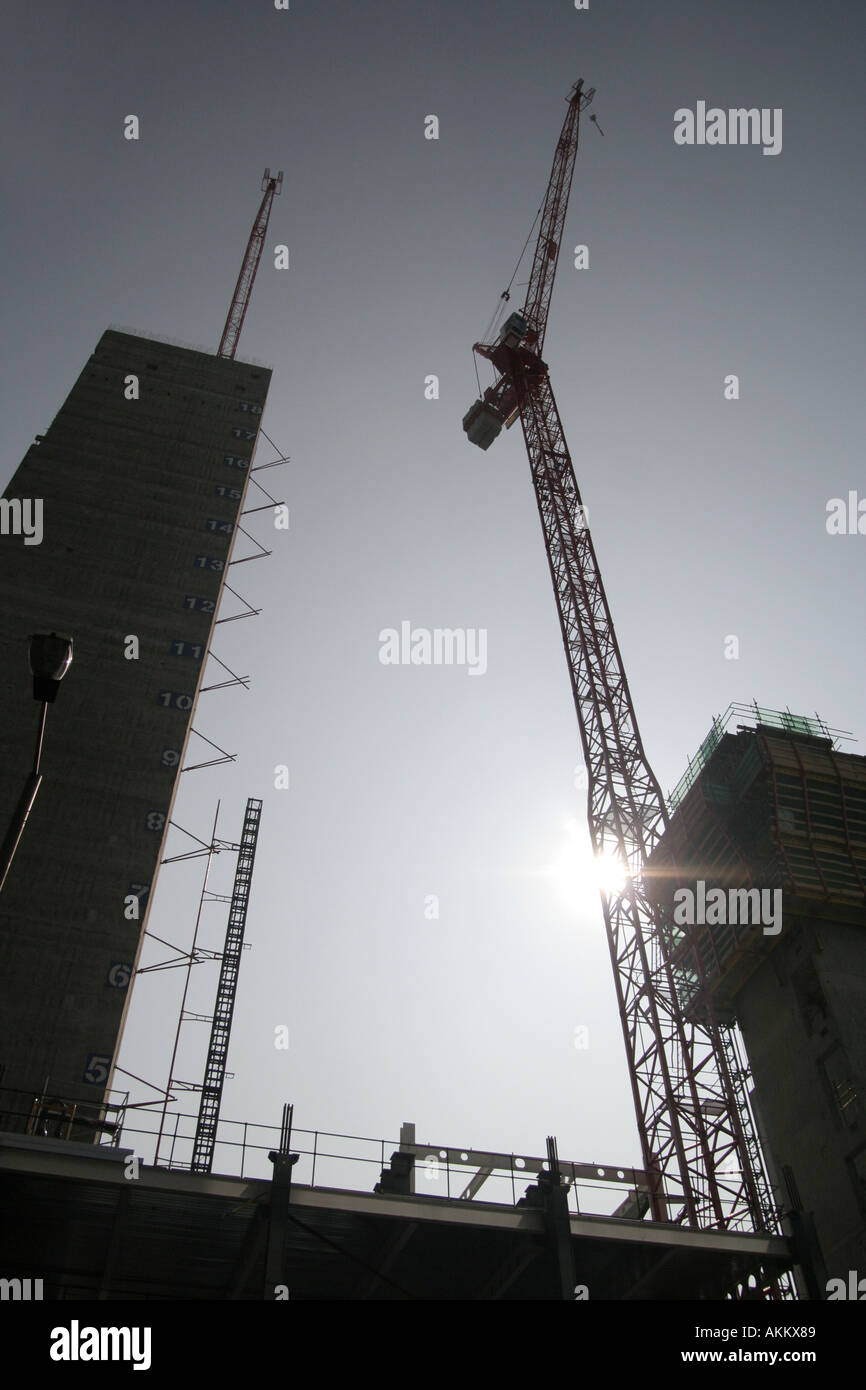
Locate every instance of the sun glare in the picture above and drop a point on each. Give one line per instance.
(577, 874)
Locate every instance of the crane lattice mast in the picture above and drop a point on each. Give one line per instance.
(244, 287)
(696, 1131)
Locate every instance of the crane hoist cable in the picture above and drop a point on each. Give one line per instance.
(506, 293)
(504, 297)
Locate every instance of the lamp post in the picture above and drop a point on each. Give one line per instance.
(50, 656)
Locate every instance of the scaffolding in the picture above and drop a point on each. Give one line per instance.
(773, 806)
(747, 715)
(218, 1048)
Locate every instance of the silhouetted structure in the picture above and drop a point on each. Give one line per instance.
(141, 477)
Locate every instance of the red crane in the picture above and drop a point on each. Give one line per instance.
(244, 287)
(696, 1132)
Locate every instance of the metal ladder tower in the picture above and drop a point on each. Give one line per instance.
(218, 1048)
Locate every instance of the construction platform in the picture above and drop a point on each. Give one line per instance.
(93, 1222)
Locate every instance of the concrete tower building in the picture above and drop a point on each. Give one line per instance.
(139, 482)
(766, 855)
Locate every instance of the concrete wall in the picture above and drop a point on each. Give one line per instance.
(139, 505)
(802, 1018)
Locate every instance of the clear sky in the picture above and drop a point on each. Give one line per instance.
(709, 515)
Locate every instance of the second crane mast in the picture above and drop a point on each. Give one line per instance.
(695, 1128)
(253, 254)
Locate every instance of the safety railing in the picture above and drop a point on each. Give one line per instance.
(326, 1159)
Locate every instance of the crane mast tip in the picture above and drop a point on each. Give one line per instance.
(277, 181)
(583, 98)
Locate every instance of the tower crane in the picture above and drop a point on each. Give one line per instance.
(253, 254)
(696, 1132)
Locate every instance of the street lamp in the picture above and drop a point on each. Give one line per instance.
(50, 656)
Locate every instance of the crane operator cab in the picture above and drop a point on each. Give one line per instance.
(483, 421)
(513, 330)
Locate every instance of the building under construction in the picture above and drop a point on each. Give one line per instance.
(776, 808)
(142, 476)
(236, 1212)
(149, 491)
